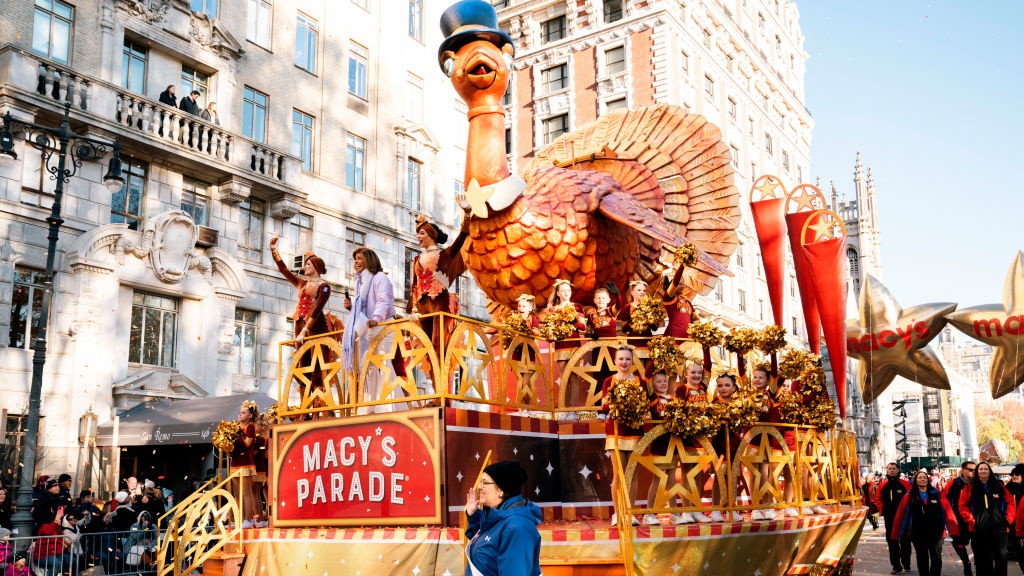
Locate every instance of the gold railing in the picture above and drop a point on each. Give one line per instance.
(199, 526)
(470, 365)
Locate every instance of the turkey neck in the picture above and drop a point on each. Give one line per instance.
(485, 149)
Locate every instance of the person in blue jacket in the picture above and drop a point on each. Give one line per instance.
(502, 530)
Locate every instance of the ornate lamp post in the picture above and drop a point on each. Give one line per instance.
(63, 144)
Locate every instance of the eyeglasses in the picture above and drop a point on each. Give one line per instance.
(970, 469)
(486, 483)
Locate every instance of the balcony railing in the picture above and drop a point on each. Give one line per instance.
(120, 110)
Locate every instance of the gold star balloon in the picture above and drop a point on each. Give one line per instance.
(891, 341)
(1002, 327)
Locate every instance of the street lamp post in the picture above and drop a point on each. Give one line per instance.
(48, 141)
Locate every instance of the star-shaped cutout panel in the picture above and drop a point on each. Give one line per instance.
(1001, 327)
(891, 341)
(804, 198)
(767, 187)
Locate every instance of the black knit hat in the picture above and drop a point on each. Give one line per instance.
(508, 475)
(64, 478)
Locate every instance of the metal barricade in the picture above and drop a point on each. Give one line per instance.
(126, 553)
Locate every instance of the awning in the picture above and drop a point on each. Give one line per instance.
(169, 422)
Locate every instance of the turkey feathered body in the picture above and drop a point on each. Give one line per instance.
(554, 230)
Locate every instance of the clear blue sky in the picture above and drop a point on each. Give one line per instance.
(932, 96)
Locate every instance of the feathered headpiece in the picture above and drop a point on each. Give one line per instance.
(250, 405)
(435, 233)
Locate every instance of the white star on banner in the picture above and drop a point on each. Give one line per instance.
(550, 468)
(515, 451)
(675, 567)
(310, 554)
(531, 457)
(537, 490)
(416, 571)
(757, 572)
(477, 456)
(585, 471)
(426, 498)
(446, 573)
(459, 475)
(379, 430)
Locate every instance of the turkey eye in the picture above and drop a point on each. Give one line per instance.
(449, 66)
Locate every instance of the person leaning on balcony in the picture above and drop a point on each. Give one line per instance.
(190, 103)
(210, 114)
(170, 96)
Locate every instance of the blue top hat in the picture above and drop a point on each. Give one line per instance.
(469, 20)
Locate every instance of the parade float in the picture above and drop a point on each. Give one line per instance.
(376, 484)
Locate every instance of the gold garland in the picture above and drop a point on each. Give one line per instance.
(741, 340)
(665, 355)
(560, 324)
(649, 312)
(706, 334)
(794, 362)
(692, 419)
(771, 339)
(228, 431)
(686, 255)
(627, 403)
(743, 409)
(272, 413)
(513, 325)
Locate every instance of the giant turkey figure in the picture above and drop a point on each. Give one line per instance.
(597, 204)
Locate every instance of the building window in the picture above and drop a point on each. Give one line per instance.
(739, 255)
(785, 160)
(506, 99)
(741, 301)
(133, 67)
(355, 238)
(414, 98)
(555, 127)
(554, 78)
(413, 184)
(250, 220)
(718, 293)
(499, 4)
(305, 42)
(615, 60)
(410, 259)
(416, 19)
(553, 29)
(299, 231)
(355, 161)
(208, 7)
(851, 255)
(760, 309)
(126, 204)
(196, 201)
(51, 30)
(750, 126)
(258, 21)
(684, 61)
(612, 11)
(302, 138)
(753, 170)
(796, 327)
(709, 86)
(12, 441)
(254, 115)
(768, 143)
(154, 325)
(508, 141)
(735, 156)
(792, 286)
(246, 329)
(732, 108)
(26, 306)
(358, 57)
(195, 80)
(615, 105)
(38, 185)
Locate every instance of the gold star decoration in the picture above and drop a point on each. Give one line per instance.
(769, 187)
(1002, 327)
(804, 198)
(891, 341)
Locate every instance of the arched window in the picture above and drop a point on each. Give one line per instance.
(851, 254)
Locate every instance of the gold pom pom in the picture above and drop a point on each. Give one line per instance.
(794, 362)
(228, 431)
(706, 334)
(513, 325)
(649, 312)
(692, 419)
(743, 409)
(665, 355)
(627, 403)
(741, 340)
(686, 255)
(771, 339)
(560, 324)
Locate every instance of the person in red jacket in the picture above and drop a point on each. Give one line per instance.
(985, 506)
(1020, 534)
(890, 493)
(952, 493)
(923, 517)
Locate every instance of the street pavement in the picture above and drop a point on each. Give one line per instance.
(873, 557)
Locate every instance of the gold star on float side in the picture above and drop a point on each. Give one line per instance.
(318, 363)
(1001, 327)
(891, 341)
